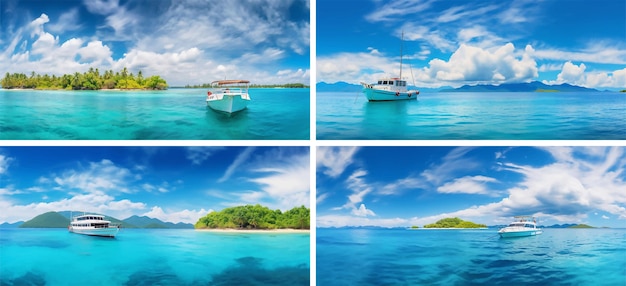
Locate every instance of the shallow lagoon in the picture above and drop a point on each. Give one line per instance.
(174, 114)
(153, 257)
(465, 115)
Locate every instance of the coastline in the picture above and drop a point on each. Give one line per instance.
(233, 230)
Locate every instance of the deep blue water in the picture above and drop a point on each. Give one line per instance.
(174, 114)
(470, 257)
(463, 115)
(152, 257)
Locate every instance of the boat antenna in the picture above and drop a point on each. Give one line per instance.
(401, 41)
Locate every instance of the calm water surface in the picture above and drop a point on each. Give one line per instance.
(152, 257)
(178, 114)
(470, 257)
(463, 115)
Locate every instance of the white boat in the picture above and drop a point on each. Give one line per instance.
(91, 224)
(522, 226)
(389, 89)
(228, 95)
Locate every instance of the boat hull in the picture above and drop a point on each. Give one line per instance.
(228, 103)
(106, 231)
(386, 95)
(519, 233)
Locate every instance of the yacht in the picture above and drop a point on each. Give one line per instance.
(521, 226)
(228, 96)
(92, 224)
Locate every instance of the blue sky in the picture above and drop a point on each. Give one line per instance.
(405, 186)
(184, 41)
(452, 43)
(175, 184)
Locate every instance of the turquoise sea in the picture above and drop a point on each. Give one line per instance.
(470, 257)
(152, 257)
(464, 115)
(174, 114)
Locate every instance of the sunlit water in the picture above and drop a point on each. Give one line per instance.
(470, 257)
(177, 114)
(152, 257)
(463, 115)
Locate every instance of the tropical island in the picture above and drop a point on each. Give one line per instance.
(256, 217)
(581, 226)
(286, 85)
(454, 223)
(89, 80)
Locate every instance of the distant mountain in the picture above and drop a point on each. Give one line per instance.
(11, 225)
(62, 220)
(47, 220)
(148, 222)
(534, 86)
(337, 87)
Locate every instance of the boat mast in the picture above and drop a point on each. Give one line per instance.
(401, 41)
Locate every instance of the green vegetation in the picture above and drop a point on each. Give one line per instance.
(454, 223)
(47, 220)
(287, 85)
(256, 217)
(89, 80)
(581, 226)
(623, 90)
(415, 226)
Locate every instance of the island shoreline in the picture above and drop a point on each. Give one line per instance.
(234, 230)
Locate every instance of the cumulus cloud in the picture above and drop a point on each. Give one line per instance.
(363, 211)
(97, 202)
(578, 75)
(334, 160)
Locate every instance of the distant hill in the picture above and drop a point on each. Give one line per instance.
(337, 87)
(11, 225)
(47, 220)
(147, 222)
(62, 220)
(534, 86)
(581, 226)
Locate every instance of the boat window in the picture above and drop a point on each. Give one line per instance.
(380, 82)
(385, 82)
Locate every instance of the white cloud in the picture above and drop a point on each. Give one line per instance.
(363, 211)
(241, 158)
(103, 176)
(467, 185)
(101, 7)
(68, 21)
(97, 202)
(4, 163)
(392, 10)
(334, 160)
(186, 216)
(578, 75)
(197, 155)
(284, 177)
(605, 217)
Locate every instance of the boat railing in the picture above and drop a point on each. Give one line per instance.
(227, 90)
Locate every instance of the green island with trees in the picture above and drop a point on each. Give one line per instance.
(623, 90)
(581, 226)
(286, 85)
(256, 217)
(454, 223)
(89, 80)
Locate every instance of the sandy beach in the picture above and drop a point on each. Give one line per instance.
(233, 230)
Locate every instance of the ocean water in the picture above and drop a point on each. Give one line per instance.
(485, 116)
(174, 114)
(470, 257)
(152, 257)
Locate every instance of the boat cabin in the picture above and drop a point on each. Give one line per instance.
(392, 82)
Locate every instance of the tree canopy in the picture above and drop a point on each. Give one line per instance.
(89, 80)
(454, 223)
(256, 217)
